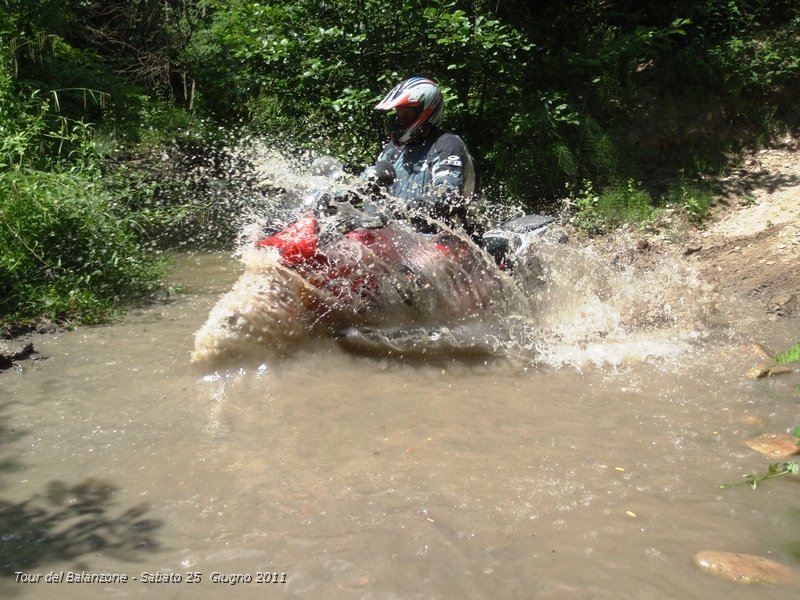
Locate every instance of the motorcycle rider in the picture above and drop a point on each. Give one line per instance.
(434, 172)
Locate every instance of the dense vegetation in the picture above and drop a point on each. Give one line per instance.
(617, 105)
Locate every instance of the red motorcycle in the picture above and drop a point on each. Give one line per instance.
(361, 272)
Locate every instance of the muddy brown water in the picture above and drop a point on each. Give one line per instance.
(589, 471)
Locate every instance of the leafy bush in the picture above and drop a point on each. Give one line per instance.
(69, 250)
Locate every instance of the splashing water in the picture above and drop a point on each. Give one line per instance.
(587, 310)
(564, 305)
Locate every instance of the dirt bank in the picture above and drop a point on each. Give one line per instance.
(749, 247)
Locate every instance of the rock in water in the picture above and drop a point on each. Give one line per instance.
(766, 370)
(757, 350)
(10, 352)
(766, 367)
(774, 445)
(745, 568)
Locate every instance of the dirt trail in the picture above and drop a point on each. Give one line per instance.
(751, 247)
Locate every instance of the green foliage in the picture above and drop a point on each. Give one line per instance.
(617, 204)
(310, 72)
(545, 98)
(789, 356)
(294, 72)
(692, 199)
(773, 471)
(755, 54)
(69, 251)
(35, 134)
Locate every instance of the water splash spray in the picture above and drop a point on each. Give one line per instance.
(586, 309)
(563, 305)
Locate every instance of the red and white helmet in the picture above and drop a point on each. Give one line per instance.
(424, 97)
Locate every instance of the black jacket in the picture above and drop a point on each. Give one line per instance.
(436, 176)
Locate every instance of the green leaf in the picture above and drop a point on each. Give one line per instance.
(791, 355)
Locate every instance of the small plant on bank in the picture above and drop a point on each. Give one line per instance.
(774, 470)
(617, 204)
(789, 356)
(791, 467)
(693, 200)
(748, 200)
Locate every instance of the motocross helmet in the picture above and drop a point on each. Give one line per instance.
(424, 106)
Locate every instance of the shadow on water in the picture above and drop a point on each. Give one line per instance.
(65, 522)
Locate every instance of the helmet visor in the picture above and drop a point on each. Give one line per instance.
(406, 115)
(402, 118)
